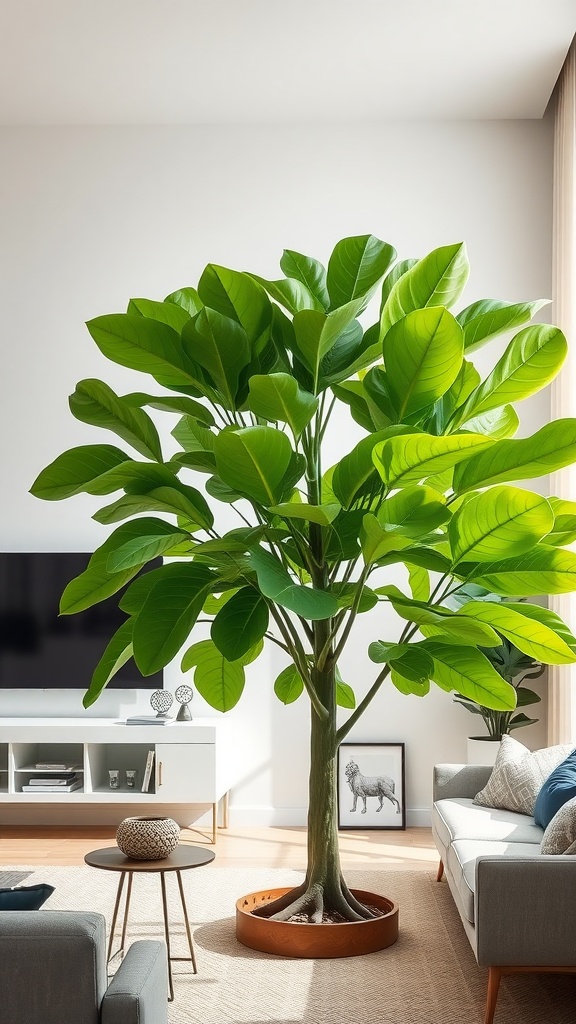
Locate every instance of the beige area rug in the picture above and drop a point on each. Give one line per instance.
(429, 977)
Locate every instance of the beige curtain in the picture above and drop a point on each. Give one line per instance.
(562, 679)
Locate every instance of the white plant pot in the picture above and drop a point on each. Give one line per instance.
(482, 751)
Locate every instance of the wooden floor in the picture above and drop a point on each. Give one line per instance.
(235, 847)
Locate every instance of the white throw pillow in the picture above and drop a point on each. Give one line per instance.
(560, 836)
(518, 775)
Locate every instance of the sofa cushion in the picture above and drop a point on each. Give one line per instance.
(518, 775)
(559, 787)
(25, 897)
(463, 819)
(462, 857)
(560, 835)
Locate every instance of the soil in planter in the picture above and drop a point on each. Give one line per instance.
(330, 918)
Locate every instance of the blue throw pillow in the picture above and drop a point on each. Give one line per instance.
(25, 897)
(559, 787)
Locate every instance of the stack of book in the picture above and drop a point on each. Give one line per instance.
(149, 720)
(59, 778)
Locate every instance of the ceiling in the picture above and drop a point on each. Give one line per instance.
(68, 62)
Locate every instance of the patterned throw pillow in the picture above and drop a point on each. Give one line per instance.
(560, 836)
(518, 775)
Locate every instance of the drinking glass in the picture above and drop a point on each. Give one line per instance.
(114, 776)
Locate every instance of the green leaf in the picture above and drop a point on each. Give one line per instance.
(531, 361)
(500, 522)
(177, 404)
(276, 584)
(185, 502)
(240, 623)
(238, 297)
(221, 346)
(288, 685)
(169, 612)
(469, 672)
(398, 270)
(345, 697)
(356, 266)
(544, 570)
(187, 298)
(483, 320)
(145, 345)
(166, 312)
(416, 666)
(526, 633)
(316, 333)
(432, 619)
(277, 397)
(564, 529)
(321, 514)
(355, 473)
(95, 403)
(291, 294)
(254, 462)
(377, 542)
(77, 470)
(310, 272)
(550, 448)
(155, 537)
(435, 280)
(346, 593)
(410, 459)
(218, 681)
(193, 436)
(415, 510)
(381, 653)
(97, 582)
(353, 394)
(498, 423)
(117, 652)
(546, 617)
(409, 686)
(423, 354)
(419, 581)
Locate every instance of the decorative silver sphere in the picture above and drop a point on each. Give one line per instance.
(184, 695)
(161, 701)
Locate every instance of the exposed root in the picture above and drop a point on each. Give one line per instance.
(312, 903)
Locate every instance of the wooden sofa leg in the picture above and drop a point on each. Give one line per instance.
(440, 872)
(494, 978)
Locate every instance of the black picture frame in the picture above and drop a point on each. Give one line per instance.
(377, 808)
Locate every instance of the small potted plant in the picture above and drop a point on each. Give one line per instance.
(514, 667)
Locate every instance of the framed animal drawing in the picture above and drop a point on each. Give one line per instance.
(371, 785)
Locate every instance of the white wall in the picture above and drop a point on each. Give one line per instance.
(93, 216)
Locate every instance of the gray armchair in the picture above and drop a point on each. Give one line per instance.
(53, 971)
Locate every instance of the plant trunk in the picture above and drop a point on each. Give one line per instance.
(324, 891)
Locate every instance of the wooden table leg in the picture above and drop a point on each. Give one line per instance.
(115, 914)
(214, 822)
(167, 936)
(186, 922)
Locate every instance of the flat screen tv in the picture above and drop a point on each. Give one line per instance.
(40, 649)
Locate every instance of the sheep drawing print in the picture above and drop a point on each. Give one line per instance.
(371, 785)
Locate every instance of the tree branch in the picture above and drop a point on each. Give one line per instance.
(359, 711)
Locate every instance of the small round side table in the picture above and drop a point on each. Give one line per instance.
(183, 857)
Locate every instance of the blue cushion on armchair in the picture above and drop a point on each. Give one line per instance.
(25, 897)
(558, 788)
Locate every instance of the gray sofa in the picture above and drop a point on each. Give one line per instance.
(516, 905)
(53, 971)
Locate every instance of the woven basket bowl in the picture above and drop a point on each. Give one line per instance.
(147, 838)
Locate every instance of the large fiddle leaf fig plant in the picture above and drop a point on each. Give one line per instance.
(254, 370)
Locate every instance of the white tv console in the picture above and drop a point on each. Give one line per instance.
(193, 764)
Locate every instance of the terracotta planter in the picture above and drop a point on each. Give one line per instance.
(316, 941)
